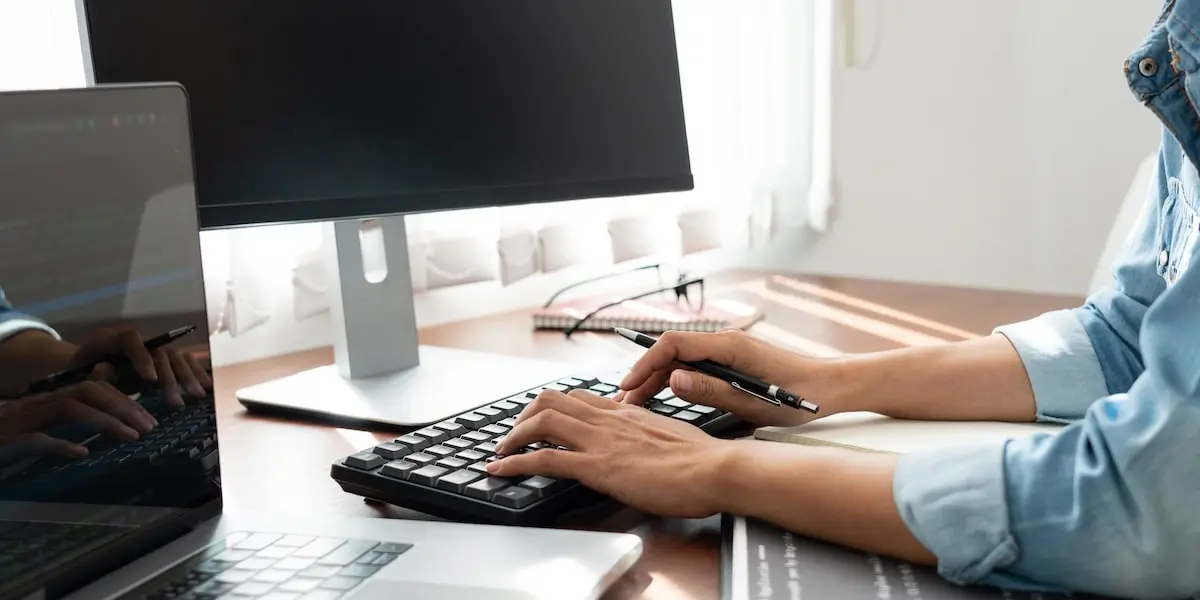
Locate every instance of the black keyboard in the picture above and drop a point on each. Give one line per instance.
(274, 566)
(440, 470)
(31, 549)
(180, 451)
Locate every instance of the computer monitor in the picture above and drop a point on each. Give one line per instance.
(98, 238)
(310, 110)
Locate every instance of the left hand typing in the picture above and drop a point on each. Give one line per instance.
(645, 460)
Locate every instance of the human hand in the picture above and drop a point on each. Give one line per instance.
(659, 367)
(171, 368)
(645, 460)
(98, 404)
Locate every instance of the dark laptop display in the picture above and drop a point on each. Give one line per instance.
(100, 457)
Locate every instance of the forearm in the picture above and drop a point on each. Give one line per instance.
(839, 496)
(29, 356)
(981, 379)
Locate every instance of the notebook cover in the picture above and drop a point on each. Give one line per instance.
(870, 432)
(649, 316)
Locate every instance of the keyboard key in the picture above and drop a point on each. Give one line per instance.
(214, 588)
(492, 414)
(393, 547)
(299, 584)
(471, 455)
(472, 420)
(273, 576)
(701, 409)
(252, 588)
(416, 442)
(383, 558)
(427, 475)
(294, 564)
(486, 448)
(318, 548)
(514, 497)
(275, 552)
(459, 443)
(495, 429)
(392, 450)
(257, 541)
(543, 486)
(508, 408)
(255, 564)
(688, 416)
(509, 422)
(295, 541)
(523, 400)
(677, 403)
(486, 488)
(399, 469)
(451, 427)
(436, 436)
(476, 436)
(234, 576)
(340, 583)
(361, 571)
(347, 553)
(665, 395)
(365, 461)
(559, 387)
(663, 409)
(456, 481)
(421, 458)
(233, 556)
(440, 451)
(479, 467)
(322, 595)
(605, 388)
(320, 571)
(451, 463)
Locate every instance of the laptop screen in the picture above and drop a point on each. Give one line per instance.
(108, 439)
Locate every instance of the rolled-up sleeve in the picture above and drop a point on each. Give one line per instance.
(1107, 505)
(13, 321)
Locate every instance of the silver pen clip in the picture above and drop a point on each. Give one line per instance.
(756, 394)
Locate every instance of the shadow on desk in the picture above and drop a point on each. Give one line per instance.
(283, 466)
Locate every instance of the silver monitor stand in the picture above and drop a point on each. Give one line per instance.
(381, 375)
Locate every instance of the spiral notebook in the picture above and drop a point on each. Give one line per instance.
(649, 316)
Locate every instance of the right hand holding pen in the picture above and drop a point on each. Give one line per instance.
(659, 368)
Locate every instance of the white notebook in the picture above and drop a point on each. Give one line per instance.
(870, 432)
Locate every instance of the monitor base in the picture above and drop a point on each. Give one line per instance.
(447, 382)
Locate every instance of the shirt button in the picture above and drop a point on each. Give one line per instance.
(1163, 258)
(1148, 67)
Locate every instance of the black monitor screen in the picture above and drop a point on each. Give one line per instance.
(313, 109)
(107, 429)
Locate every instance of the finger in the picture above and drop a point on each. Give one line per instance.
(185, 375)
(593, 399)
(551, 400)
(643, 393)
(75, 411)
(102, 396)
(674, 346)
(561, 464)
(130, 344)
(698, 388)
(198, 368)
(40, 443)
(550, 426)
(167, 381)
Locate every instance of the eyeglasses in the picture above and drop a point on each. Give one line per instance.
(681, 288)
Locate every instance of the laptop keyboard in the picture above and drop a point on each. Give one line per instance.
(275, 567)
(30, 548)
(441, 469)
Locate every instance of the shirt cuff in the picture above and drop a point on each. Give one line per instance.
(13, 326)
(954, 502)
(1061, 362)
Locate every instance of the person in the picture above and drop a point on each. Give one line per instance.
(31, 350)
(1108, 505)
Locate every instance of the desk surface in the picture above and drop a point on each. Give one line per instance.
(278, 465)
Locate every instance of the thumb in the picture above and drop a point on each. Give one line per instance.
(698, 388)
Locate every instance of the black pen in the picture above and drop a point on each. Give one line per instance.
(80, 373)
(745, 383)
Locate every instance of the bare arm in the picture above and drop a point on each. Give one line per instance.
(839, 496)
(981, 379)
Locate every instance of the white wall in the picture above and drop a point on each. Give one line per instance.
(989, 144)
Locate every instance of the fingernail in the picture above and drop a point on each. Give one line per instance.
(130, 433)
(492, 467)
(619, 397)
(681, 382)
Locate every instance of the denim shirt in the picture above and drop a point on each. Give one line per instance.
(13, 321)
(1111, 503)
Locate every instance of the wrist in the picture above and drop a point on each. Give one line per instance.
(837, 384)
(726, 481)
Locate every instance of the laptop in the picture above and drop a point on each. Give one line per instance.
(99, 241)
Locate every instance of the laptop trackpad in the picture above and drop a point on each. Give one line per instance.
(382, 589)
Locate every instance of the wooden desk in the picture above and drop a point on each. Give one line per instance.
(283, 466)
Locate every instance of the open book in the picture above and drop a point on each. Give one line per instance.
(870, 432)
